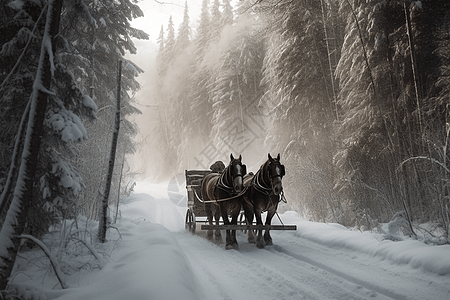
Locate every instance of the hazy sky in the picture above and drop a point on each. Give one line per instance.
(157, 14)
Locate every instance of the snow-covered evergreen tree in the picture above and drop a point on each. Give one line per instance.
(300, 98)
(200, 105)
(55, 178)
(183, 38)
(93, 59)
(160, 55)
(169, 45)
(227, 14)
(215, 28)
(17, 215)
(236, 86)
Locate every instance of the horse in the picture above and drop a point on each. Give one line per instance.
(224, 186)
(263, 193)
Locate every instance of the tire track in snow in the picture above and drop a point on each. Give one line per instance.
(279, 284)
(368, 285)
(229, 275)
(318, 282)
(203, 271)
(258, 274)
(397, 281)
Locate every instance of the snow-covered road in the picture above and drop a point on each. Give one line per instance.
(318, 261)
(298, 268)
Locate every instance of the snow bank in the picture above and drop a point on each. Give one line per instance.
(148, 262)
(153, 267)
(434, 259)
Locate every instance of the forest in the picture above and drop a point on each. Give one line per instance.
(354, 94)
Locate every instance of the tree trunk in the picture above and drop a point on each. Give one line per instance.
(17, 213)
(366, 59)
(118, 194)
(102, 224)
(412, 52)
(5, 199)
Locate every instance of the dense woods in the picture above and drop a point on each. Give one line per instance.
(58, 80)
(354, 94)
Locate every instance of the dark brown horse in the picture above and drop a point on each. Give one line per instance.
(224, 186)
(263, 194)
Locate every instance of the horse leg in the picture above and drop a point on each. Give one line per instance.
(226, 221)
(234, 219)
(248, 210)
(267, 237)
(270, 213)
(217, 217)
(259, 240)
(209, 216)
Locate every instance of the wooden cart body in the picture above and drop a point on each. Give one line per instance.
(195, 207)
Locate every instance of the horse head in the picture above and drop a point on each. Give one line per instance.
(237, 172)
(276, 172)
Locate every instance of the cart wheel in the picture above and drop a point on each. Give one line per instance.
(187, 223)
(190, 221)
(193, 223)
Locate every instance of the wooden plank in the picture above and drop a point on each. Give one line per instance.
(197, 172)
(195, 176)
(249, 227)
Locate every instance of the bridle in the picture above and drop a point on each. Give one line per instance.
(223, 184)
(272, 173)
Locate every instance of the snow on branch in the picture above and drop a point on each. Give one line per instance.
(68, 124)
(68, 176)
(89, 103)
(427, 158)
(52, 259)
(94, 253)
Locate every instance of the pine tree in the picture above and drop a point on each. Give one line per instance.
(183, 72)
(183, 39)
(58, 180)
(200, 105)
(216, 22)
(383, 102)
(169, 46)
(92, 60)
(161, 68)
(227, 14)
(300, 98)
(16, 218)
(236, 89)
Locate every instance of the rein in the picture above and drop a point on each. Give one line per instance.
(222, 199)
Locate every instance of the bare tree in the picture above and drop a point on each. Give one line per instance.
(102, 224)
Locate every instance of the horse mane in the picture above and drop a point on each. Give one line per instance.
(226, 174)
(261, 176)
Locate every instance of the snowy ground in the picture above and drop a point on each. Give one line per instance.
(155, 259)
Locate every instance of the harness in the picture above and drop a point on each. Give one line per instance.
(221, 185)
(256, 184)
(263, 189)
